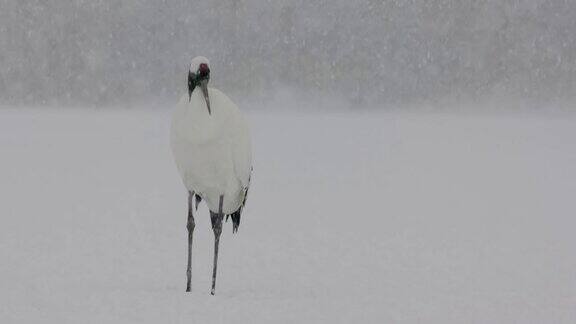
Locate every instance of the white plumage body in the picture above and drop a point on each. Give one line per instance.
(212, 151)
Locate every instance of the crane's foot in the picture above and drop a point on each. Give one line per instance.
(190, 226)
(216, 219)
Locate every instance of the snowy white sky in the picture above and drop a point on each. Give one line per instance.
(377, 53)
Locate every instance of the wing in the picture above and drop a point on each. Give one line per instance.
(242, 152)
(242, 155)
(243, 167)
(246, 188)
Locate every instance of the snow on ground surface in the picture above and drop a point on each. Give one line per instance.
(366, 218)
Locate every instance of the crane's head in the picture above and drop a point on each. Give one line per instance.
(199, 75)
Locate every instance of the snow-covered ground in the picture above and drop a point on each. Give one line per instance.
(351, 218)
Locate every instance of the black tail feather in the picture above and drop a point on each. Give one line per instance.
(236, 220)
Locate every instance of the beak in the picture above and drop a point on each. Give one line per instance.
(204, 87)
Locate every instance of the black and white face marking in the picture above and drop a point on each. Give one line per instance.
(199, 75)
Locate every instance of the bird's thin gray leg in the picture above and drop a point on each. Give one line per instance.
(216, 219)
(190, 227)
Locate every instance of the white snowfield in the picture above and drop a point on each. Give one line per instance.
(352, 218)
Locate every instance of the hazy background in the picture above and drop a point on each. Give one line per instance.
(372, 53)
(395, 208)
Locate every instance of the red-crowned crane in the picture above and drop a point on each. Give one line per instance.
(210, 142)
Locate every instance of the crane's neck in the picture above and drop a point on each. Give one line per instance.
(193, 81)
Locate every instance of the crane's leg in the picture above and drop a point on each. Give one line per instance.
(216, 219)
(190, 227)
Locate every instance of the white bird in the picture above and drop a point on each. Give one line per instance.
(211, 145)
